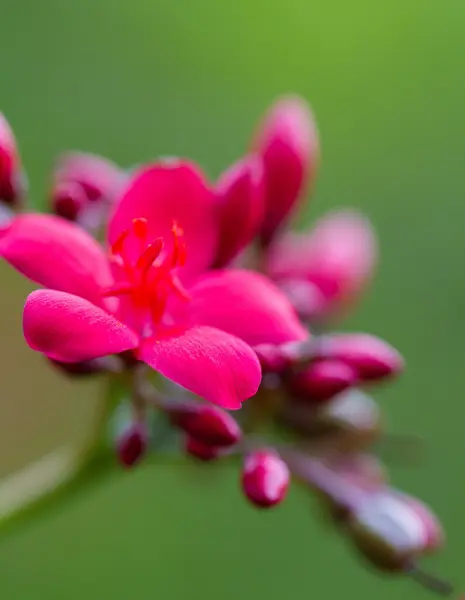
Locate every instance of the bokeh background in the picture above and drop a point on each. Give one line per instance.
(136, 79)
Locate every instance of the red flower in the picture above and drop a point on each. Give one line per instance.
(150, 293)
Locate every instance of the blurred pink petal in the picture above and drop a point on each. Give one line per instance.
(208, 362)
(335, 259)
(245, 304)
(239, 195)
(56, 254)
(67, 328)
(287, 140)
(165, 193)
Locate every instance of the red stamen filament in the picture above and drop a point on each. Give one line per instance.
(151, 277)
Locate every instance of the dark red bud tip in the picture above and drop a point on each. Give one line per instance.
(132, 444)
(201, 451)
(207, 424)
(12, 183)
(265, 478)
(68, 199)
(370, 356)
(83, 368)
(322, 380)
(240, 207)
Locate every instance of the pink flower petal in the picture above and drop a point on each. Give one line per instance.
(167, 192)
(71, 329)
(337, 256)
(56, 254)
(245, 304)
(287, 140)
(210, 363)
(239, 193)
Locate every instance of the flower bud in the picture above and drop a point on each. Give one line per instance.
(350, 422)
(287, 141)
(434, 534)
(239, 197)
(352, 418)
(132, 444)
(98, 177)
(265, 478)
(388, 531)
(322, 380)
(207, 424)
(201, 451)
(328, 267)
(369, 356)
(68, 200)
(12, 182)
(271, 357)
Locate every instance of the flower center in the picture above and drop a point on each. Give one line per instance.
(147, 270)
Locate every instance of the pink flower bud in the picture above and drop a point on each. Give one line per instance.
(287, 140)
(201, 451)
(327, 267)
(98, 177)
(271, 357)
(68, 200)
(207, 424)
(239, 194)
(11, 176)
(265, 478)
(369, 356)
(132, 444)
(433, 532)
(322, 380)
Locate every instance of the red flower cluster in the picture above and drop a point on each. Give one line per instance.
(160, 271)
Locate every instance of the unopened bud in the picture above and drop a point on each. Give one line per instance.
(207, 424)
(322, 380)
(434, 534)
(68, 200)
(265, 478)
(132, 444)
(272, 358)
(287, 141)
(201, 451)
(369, 356)
(388, 531)
(239, 201)
(349, 422)
(98, 177)
(12, 179)
(326, 268)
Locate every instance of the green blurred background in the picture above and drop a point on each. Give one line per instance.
(135, 79)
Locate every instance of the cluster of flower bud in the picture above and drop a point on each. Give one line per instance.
(314, 389)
